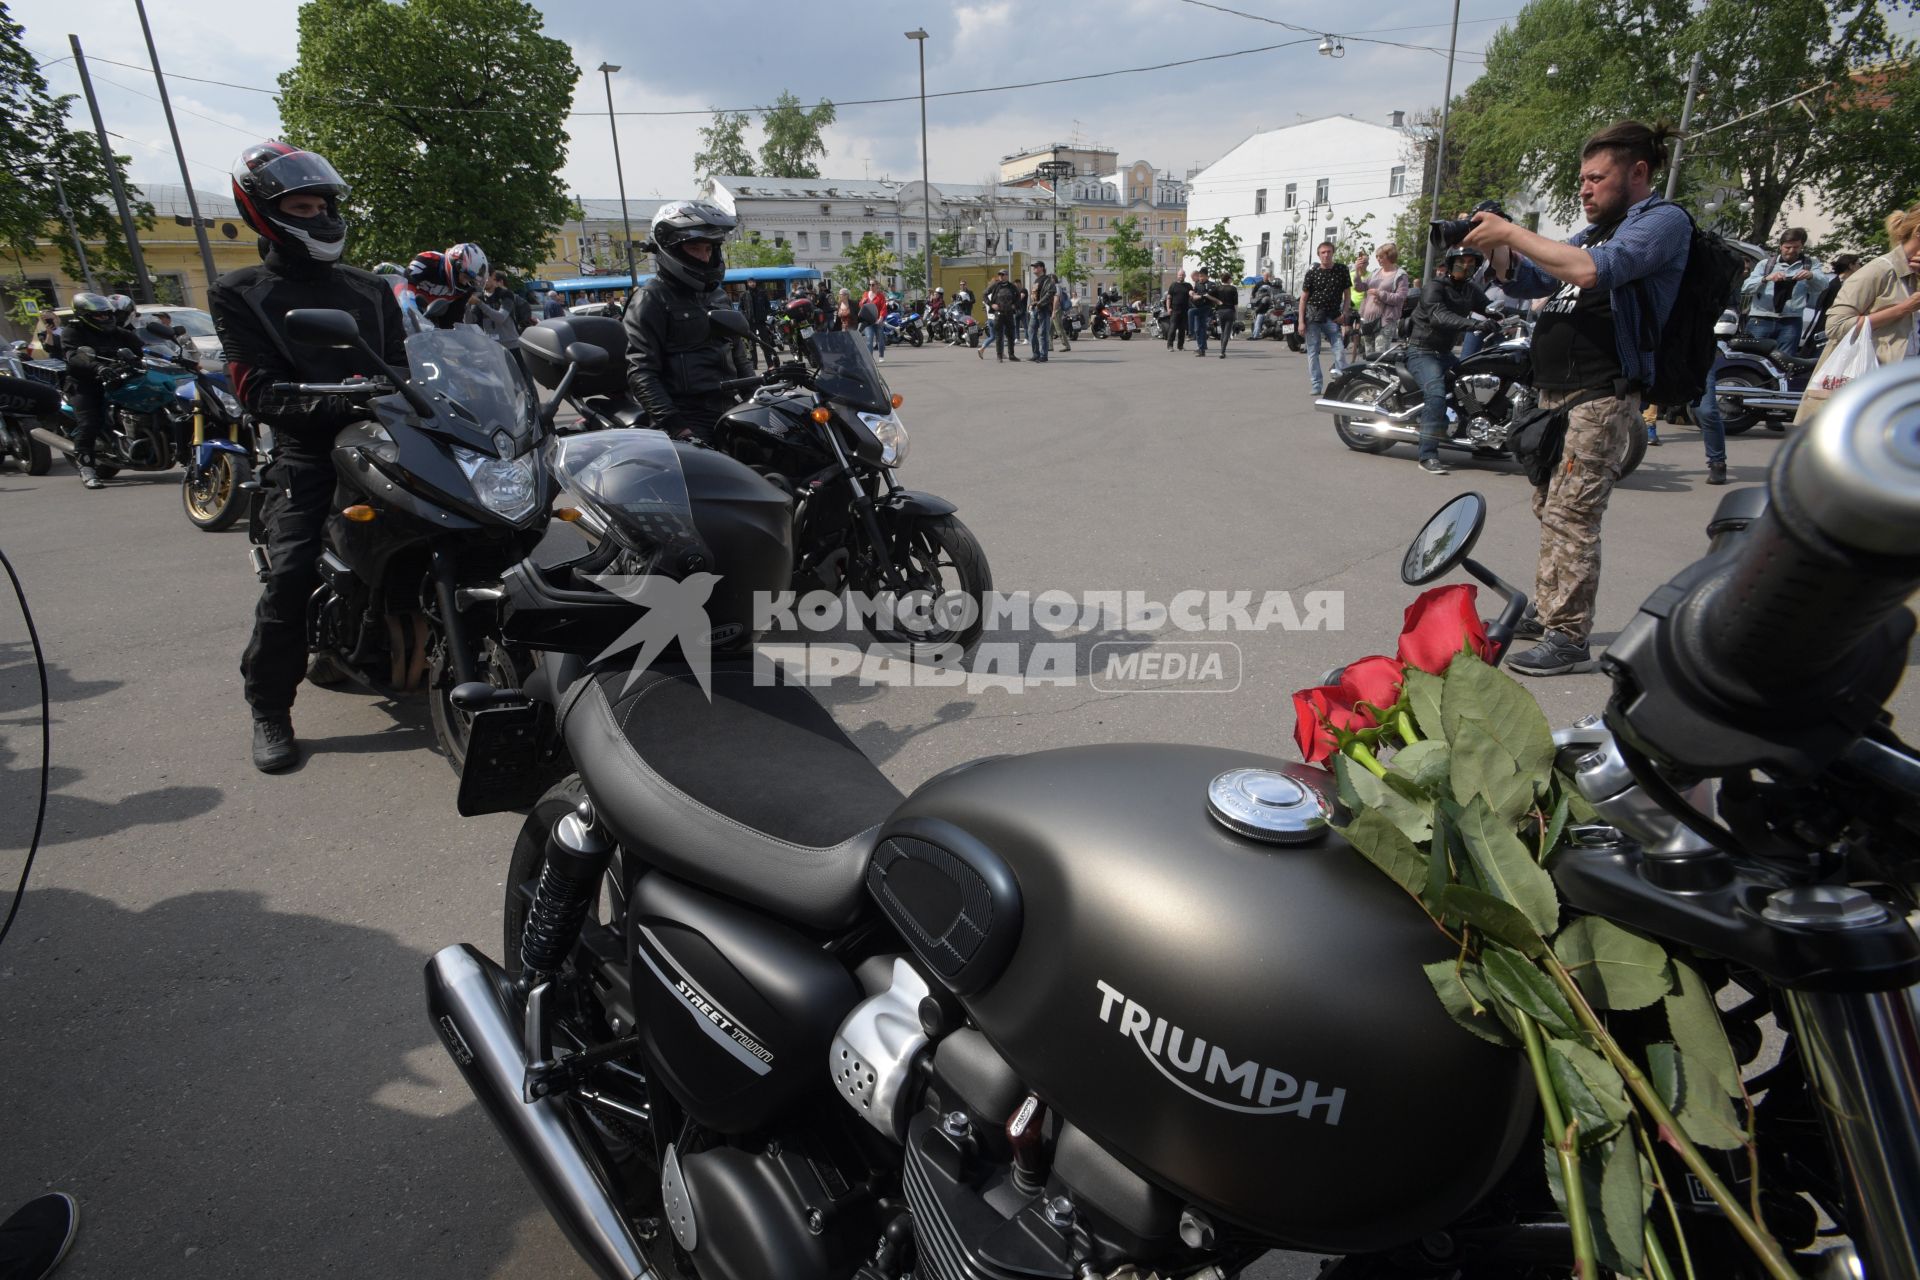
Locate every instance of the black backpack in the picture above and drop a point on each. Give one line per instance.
(1686, 348)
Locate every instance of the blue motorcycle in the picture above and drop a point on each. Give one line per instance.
(904, 326)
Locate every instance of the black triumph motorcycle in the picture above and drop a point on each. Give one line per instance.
(1376, 404)
(439, 492)
(1125, 1011)
(827, 431)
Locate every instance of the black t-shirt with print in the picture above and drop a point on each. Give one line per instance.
(1574, 344)
(1326, 289)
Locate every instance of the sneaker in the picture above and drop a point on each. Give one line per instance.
(1716, 473)
(274, 748)
(1557, 654)
(1653, 438)
(91, 478)
(1528, 628)
(38, 1234)
(1434, 467)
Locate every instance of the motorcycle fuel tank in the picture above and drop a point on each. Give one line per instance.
(1245, 1023)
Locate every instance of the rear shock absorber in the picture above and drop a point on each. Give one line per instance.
(578, 851)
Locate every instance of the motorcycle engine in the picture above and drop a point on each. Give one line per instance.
(998, 1187)
(1483, 388)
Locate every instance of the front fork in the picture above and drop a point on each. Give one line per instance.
(446, 595)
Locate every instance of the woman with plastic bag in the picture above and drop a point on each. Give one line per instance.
(1871, 322)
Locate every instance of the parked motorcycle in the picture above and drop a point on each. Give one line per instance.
(23, 400)
(149, 408)
(442, 491)
(1377, 404)
(1135, 1010)
(1756, 381)
(903, 325)
(953, 327)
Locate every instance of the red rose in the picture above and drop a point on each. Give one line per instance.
(1375, 680)
(1320, 710)
(1439, 624)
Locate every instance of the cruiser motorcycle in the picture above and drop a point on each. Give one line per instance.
(1376, 404)
(1118, 1011)
(23, 400)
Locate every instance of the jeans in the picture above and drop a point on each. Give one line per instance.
(1713, 427)
(1782, 331)
(876, 340)
(1318, 332)
(1040, 338)
(1201, 319)
(1471, 343)
(1430, 369)
(1178, 322)
(1259, 322)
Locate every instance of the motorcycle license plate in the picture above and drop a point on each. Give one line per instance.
(502, 770)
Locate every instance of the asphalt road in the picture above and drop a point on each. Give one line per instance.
(213, 1028)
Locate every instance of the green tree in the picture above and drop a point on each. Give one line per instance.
(371, 92)
(1218, 251)
(1070, 260)
(755, 252)
(946, 242)
(1128, 255)
(793, 137)
(913, 271)
(723, 147)
(36, 145)
(867, 259)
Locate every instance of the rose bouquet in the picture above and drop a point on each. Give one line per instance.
(1447, 770)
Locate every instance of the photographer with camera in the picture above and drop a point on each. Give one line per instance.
(1610, 290)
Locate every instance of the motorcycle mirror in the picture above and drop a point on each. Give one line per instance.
(731, 323)
(588, 356)
(179, 331)
(322, 327)
(1445, 541)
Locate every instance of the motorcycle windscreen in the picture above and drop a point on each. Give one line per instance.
(846, 371)
(484, 394)
(634, 481)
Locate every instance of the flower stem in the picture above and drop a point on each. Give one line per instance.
(1562, 1136)
(1404, 723)
(1666, 1195)
(1763, 1245)
(1656, 1256)
(1366, 759)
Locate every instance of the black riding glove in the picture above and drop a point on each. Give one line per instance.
(81, 358)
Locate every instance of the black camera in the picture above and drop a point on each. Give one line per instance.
(1451, 231)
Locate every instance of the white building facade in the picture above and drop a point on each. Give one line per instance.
(1285, 190)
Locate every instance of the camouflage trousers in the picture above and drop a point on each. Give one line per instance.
(1569, 507)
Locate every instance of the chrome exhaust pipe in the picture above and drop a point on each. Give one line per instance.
(51, 438)
(1371, 413)
(467, 997)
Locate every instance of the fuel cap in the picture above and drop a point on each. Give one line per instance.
(1288, 805)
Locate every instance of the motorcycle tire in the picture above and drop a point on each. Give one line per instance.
(913, 336)
(38, 459)
(220, 497)
(1636, 453)
(1737, 418)
(944, 552)
(450, 724)
(973, 338)
(1296, 343)
(1360, 389)
(1126, 335)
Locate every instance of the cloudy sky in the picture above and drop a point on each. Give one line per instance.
(742, 55)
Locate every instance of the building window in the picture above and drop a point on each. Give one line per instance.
(1266, 247)
(1332, 235)
(1320, 192)
(846, 239)
(803, 239)
(1260, 200)
(1103, 224)
(1083, 222)
(779, 241)
(869, 211)
(1397, 180)
(913, 239)
(1292, 196)
(826, 210)
(889, 239)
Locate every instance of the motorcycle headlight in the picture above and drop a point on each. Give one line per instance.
(504, 488)
(228, 404)
(892, 435)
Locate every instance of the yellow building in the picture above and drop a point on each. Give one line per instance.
(172, 253)
(1099, 193)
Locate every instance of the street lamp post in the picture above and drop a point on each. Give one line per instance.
(1053, 171)
(919, 39)
(606, 70)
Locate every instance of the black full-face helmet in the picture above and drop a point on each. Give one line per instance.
(94, 310)
(267, 173)
(123, 309)
(677, 225)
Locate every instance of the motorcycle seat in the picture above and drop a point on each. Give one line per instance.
(1795, 364)
(756, 794)
(1752, 346)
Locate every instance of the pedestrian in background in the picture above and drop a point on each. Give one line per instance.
(1884, 294)
(1385, 303)
(1226, 309)
(1063, 316)
(873, 315)
(1200, 315)
(1780, 289)
(1323, 301)
(1262, 300)
(1003, 308)
(1179, 300)
(553, 308)
(1040, 329)
(1356, 299)
(845, 315)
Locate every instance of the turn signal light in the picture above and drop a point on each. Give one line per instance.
(821, 413)
(898, 399)
(569, 514)
(359, 513)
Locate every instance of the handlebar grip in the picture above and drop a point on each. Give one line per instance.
(742, 384)
(1836, 555)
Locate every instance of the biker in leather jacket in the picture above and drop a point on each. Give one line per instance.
(93, 332)
(676, 359)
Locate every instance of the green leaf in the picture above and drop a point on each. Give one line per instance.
(1473, 690)
(1514, 979)
(1705, 1114)
(1492, 917)
(1479, 766)
(1616, 969)
(1619, 1212)
(1423, 695)
(1506, 868)
(1413, 817)
(1694, 1021)
(1374, 834)
(1556, 827)
(1424, 762)
(1439, 866)
(1589, 1089)
(1464, 1006)
(1344, 768)
(1578, 810)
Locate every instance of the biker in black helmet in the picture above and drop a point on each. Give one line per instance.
(94, 333)
(676, 359)
(1450, 305)
(292, 199)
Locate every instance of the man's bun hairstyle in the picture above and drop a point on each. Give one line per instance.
(1631, 141)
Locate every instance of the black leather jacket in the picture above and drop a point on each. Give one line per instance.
(1446, 311)
(113, 344)
(249, 309)
(674, 354)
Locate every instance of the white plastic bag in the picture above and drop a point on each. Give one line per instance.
(1848, 359)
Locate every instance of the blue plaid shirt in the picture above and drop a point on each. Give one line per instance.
(1648, 248)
